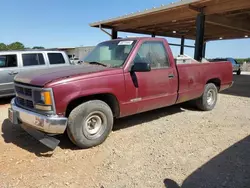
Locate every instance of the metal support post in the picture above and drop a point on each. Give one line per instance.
(200, 29)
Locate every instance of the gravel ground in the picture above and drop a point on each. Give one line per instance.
(172, 147)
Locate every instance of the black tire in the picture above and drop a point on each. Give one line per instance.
(70, 136)
(86, 118)
(203, 103)
(239, 72)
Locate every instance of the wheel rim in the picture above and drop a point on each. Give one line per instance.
(210, 97)
(94, 125)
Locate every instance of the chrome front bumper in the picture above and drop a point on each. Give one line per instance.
(47, 124)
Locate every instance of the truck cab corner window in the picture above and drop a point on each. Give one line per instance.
(56, 58)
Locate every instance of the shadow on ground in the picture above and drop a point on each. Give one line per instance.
(230, 169)
(16, 135)
(5, 100)
(241, 86)
(150, 116)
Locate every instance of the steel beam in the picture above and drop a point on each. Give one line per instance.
(200, 29)
(187, 46)
(100, 26)
(114, 34)
(182, 45)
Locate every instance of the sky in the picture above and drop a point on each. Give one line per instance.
(65, 23)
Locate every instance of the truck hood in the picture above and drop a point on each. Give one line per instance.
(43, 76)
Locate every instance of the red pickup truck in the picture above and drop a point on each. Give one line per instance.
(118, 78)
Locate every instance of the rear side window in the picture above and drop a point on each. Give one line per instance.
(56, 58)
(33, 59)
(8, 61)
(154, 53)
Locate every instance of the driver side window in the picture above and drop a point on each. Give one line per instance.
(153, 53)
(7, 61)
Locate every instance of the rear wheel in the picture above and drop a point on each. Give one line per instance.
(208, 100)
(90, 124)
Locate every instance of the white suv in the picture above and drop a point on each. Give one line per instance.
(13, 62)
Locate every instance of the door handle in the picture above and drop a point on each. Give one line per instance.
(13, 73)
(171, 76)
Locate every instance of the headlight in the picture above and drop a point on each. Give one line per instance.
(43, 101)
(43, 107)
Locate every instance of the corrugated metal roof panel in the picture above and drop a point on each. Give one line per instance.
(147, 11)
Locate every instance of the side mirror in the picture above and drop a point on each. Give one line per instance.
(141, 67)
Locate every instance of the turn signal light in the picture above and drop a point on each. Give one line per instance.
(47, 98)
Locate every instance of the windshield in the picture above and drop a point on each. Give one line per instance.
(233, 61)
(111, 53)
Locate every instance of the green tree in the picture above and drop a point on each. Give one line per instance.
(38, 47)
(15, 46)
(3, 47)
(242, 60)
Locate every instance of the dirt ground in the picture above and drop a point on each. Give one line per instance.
(172, 147)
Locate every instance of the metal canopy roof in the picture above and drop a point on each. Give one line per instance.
(225, 19)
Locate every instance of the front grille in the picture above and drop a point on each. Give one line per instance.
(24, 102)
(24, 96)
(23, 91)
(27, 96)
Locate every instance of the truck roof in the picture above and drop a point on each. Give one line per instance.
(135, 38)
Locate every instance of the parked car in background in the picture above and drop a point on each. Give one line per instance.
(235, 64)
(14, 62)
(74, 60)
(117, 79)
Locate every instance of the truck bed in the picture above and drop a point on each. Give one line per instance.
(194, 76)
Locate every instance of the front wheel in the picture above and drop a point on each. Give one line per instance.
(90, 123)
(208, 100)
(239, 72)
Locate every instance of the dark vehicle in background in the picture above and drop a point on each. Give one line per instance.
(118, 78)
(235, 64)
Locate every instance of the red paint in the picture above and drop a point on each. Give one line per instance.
(154, 90)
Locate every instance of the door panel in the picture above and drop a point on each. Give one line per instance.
(149, 90)
(156, 89)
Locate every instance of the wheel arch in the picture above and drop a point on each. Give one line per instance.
(108, 98)
(216, 82)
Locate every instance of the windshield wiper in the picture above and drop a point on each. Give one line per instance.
(97, 63)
